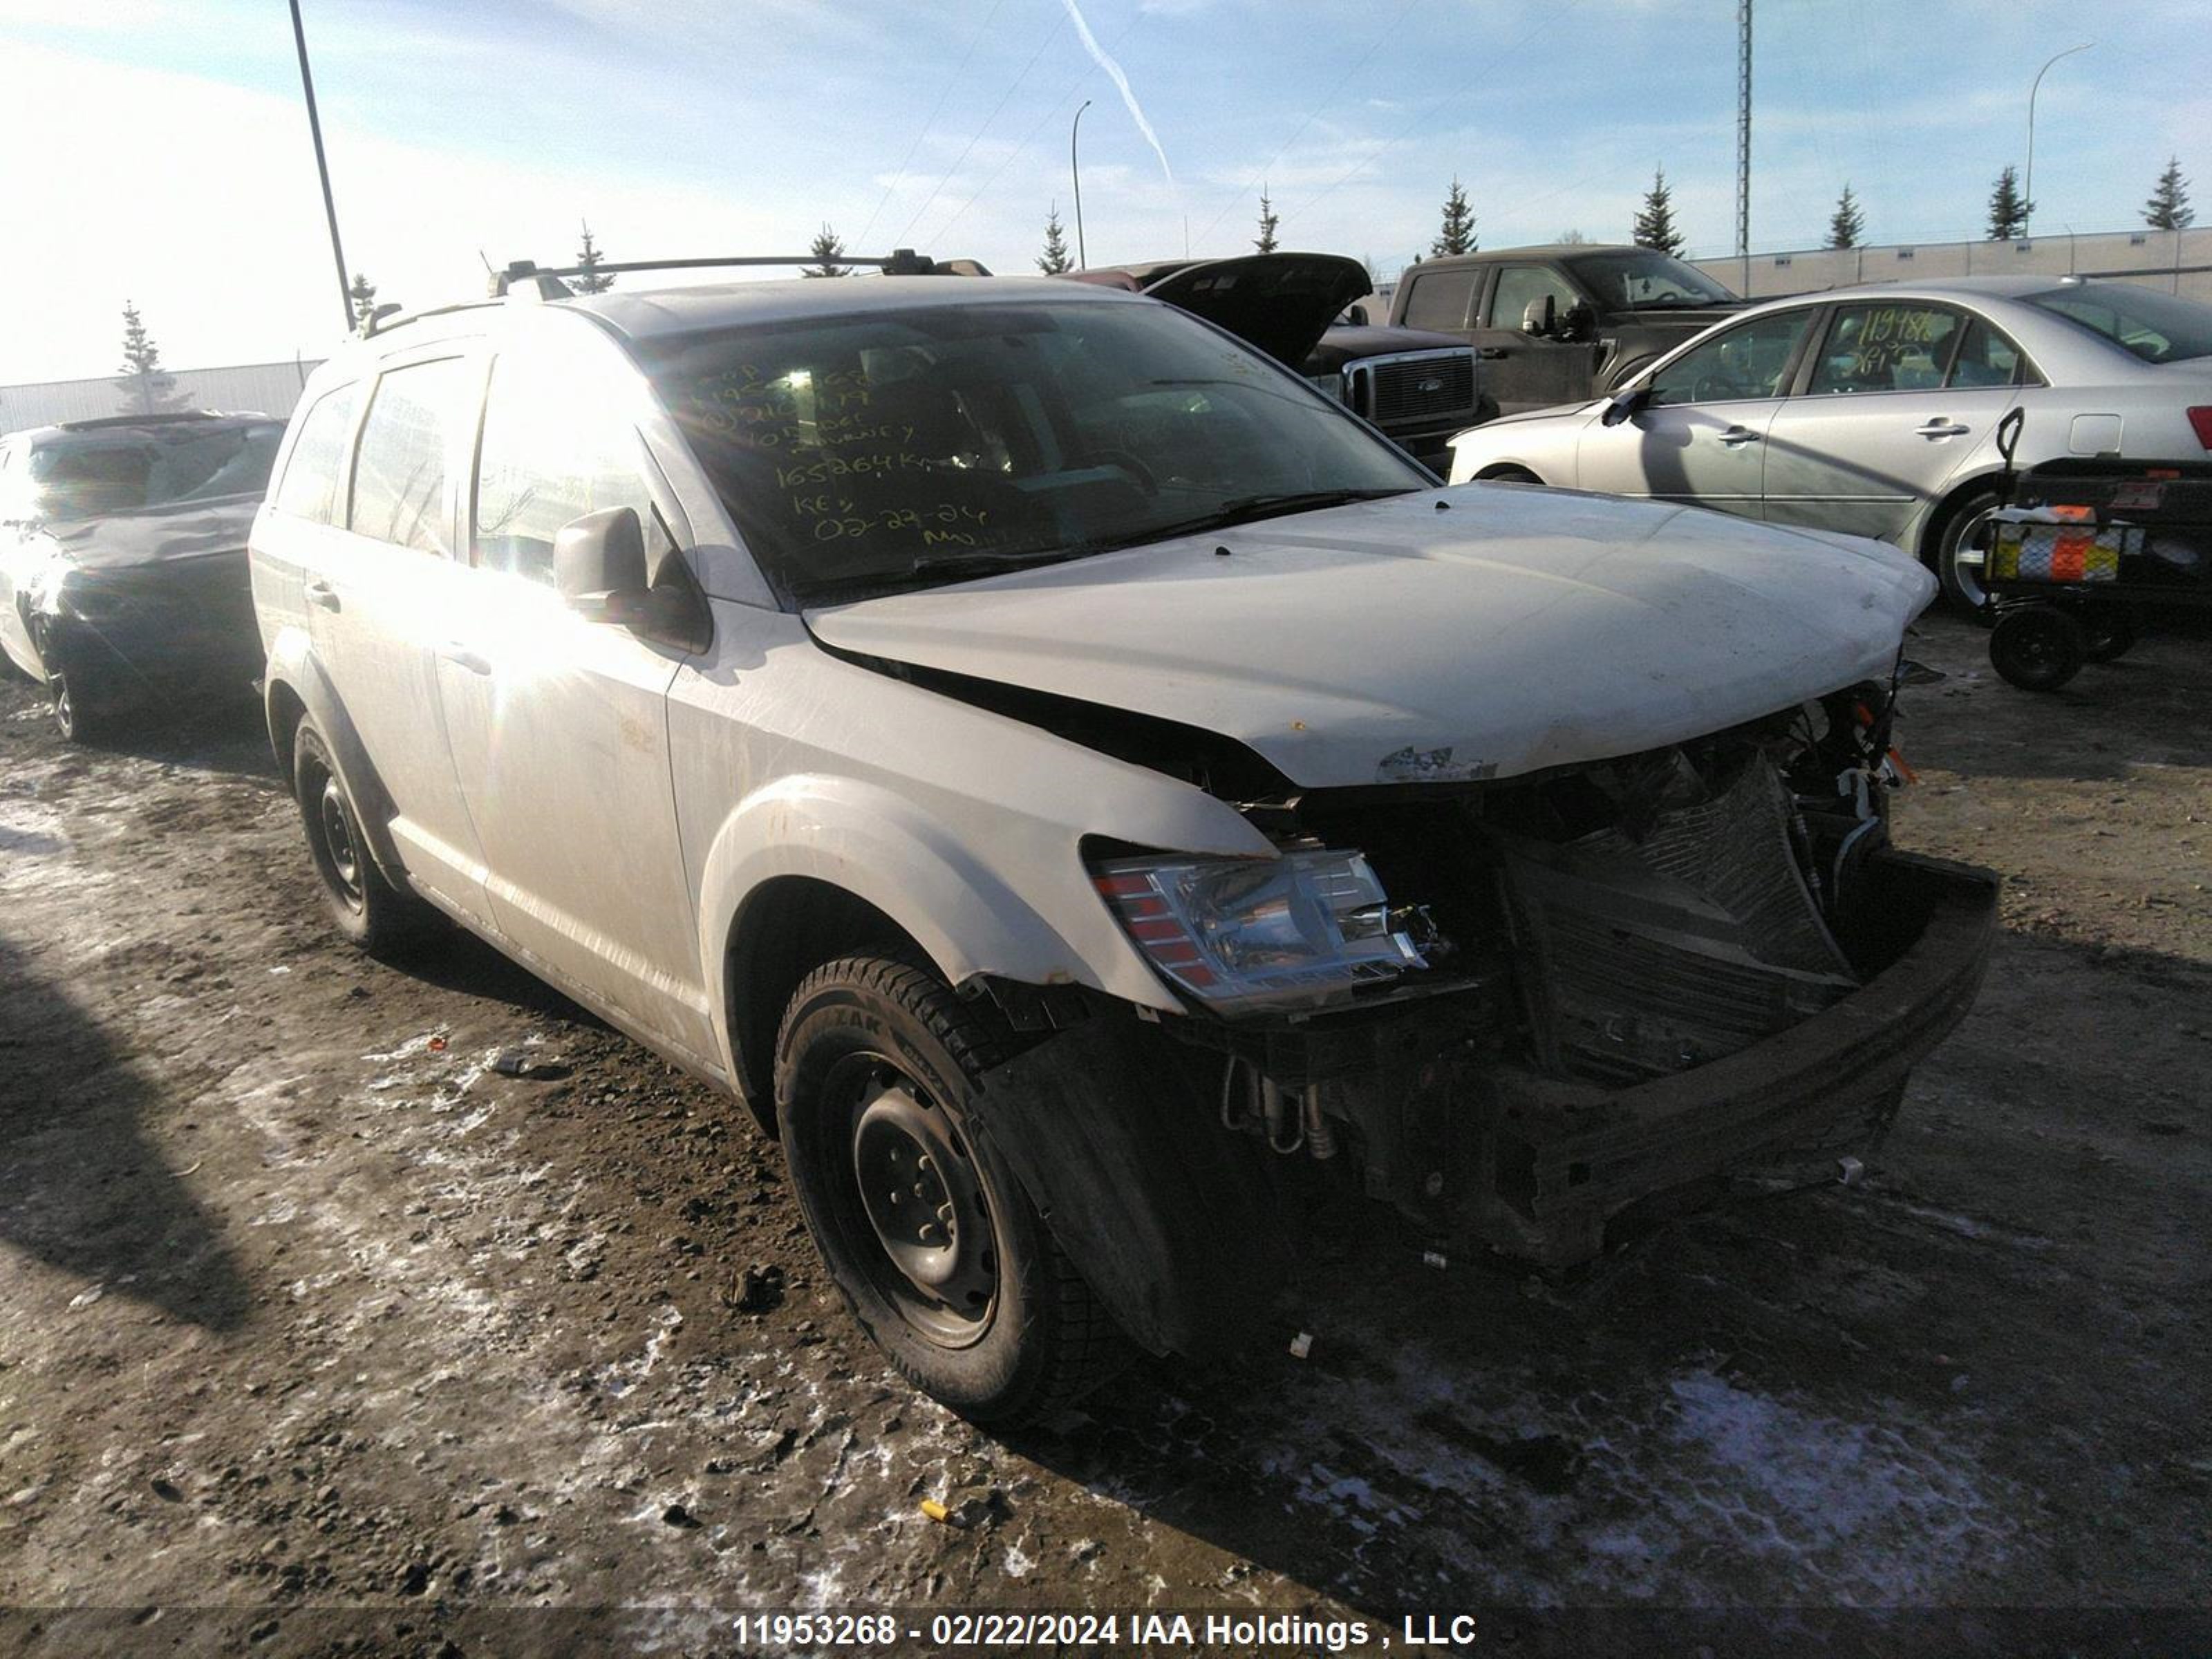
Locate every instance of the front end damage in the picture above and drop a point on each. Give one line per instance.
(1590, 1000)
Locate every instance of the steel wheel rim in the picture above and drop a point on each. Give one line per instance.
(341, 852)
(918, 1213)
(1968, 561)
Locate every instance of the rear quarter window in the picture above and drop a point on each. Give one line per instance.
(310, 487)
(399, 467)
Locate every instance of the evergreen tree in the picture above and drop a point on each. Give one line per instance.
(826, 248)
(589, 257)
(363, 295)
(1056, 259)
(2009, 209)
(1848, 227)
(1655, 224)
(1268, 221)
(2168, 208)
(1457, 234)
(147, 387)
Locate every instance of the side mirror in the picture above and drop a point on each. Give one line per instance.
(1628, 403)
(1541, 318)
(599, 566)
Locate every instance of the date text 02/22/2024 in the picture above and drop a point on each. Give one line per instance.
(956, 1631)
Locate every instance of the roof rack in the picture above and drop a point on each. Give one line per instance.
(545, 282)
(95, 423)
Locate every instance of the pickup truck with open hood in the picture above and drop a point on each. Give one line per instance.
(1087, 795)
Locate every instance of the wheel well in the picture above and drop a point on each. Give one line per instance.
(286, 711)
(788, 927)
(1508, 473)
(1940, 515)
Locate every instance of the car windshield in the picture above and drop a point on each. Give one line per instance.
(124, 469)
(2159, 328)
(911, 447)
(1645, 280)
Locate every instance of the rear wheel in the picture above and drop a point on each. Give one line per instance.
(1508, 475)
(81, 701)
(935, 1245)
(2037, 649)
(1958, 562)
(367, 907)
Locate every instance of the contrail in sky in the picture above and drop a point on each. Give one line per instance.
(1098, 56)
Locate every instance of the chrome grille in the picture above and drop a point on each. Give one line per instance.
(1416, 386)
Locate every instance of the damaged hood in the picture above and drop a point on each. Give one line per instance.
(179, 529)
(1391, 641)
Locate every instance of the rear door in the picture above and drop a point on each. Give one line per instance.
(1528, 371)
(1701, 437)
(1899, 394)
(559, 725)
(378, 594)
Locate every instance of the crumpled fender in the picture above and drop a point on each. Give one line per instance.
(886, 849)
(1162, 1212)
(293, 667)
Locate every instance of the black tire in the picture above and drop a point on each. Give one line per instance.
(2109, 634)
(82, 702)
(1520, 475)
(366, 907)
(2037, 649)
(876, 1065)
(1957, 563)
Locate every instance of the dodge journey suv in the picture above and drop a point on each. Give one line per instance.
(1089, 796)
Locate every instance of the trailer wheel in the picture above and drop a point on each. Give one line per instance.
(2109, 635)
(2037, 649)
(939, 1253)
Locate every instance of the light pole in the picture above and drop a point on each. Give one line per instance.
(1082, 259)
(2027, 190)
(322, 167)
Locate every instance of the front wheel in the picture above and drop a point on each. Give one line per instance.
(937, 1249)
(2037, 649)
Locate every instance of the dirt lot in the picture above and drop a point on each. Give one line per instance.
(312, 1322)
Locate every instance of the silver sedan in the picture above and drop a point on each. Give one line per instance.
(1874, 410)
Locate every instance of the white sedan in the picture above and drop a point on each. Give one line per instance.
(1874, 410)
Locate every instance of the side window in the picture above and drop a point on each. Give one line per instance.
(1987, 358)
(310, 488)
(1440, 299)
(1748, 361)
(1520, 287)
(399, 473)
(1885, 348)
(553, 450)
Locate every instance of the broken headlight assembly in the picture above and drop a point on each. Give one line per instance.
(1242, 935)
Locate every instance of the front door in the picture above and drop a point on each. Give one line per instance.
(1525, 370)
(1700, 436)
(559, 725)
(1899, 395)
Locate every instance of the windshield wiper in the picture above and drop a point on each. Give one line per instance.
(1250, 509)
(930, 573)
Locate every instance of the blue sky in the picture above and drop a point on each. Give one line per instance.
(158, 151)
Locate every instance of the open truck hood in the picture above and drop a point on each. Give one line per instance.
(1282, 303)
(1391, 641)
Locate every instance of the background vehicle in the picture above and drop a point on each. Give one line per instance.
(1875, 410)
(123, 558)
(1048, 760)
(1555, 324)
(1417, 386)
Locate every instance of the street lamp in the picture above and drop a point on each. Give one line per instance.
(2027, 190)
(1082, 260)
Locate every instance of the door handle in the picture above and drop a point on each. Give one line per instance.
(1489, 351)
(1940, 427)
(322, 593)
(1736, 436)
(460, 656)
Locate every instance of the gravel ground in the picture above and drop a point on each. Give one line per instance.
(313, 1322)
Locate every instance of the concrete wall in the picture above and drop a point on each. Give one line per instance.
(2176, 261)
(260, 388)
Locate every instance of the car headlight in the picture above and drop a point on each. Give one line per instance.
(1246, 935)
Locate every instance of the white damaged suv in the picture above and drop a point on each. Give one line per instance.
(1068, 777)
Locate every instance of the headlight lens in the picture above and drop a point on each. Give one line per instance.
(1246, 935)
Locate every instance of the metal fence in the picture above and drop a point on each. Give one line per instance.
(2177, 261)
